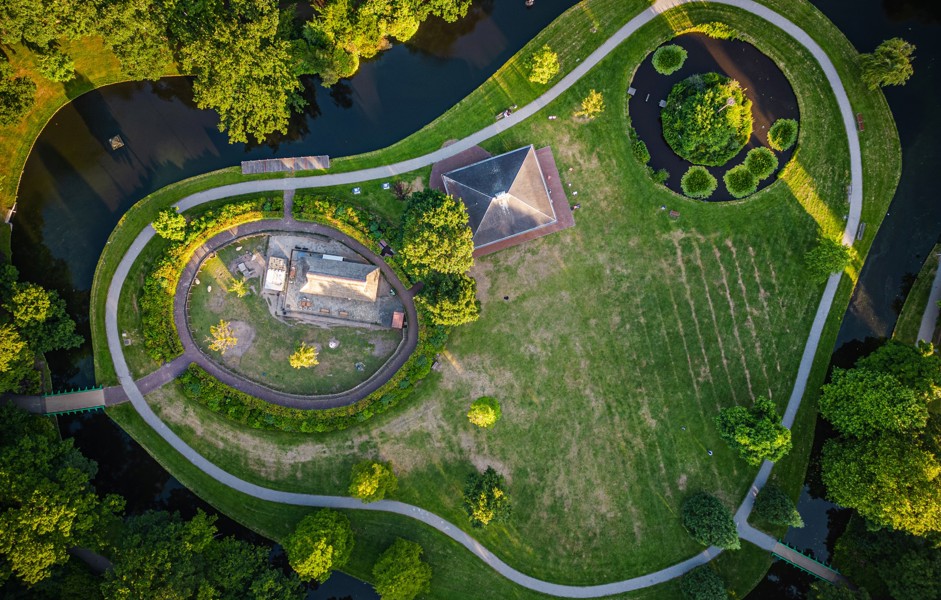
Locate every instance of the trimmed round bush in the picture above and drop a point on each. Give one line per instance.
(698, 182)
(740, 181)
(707, 119)
(783, 134)
(669, 59)
(702, 583)
(709, 522)
(761, 162)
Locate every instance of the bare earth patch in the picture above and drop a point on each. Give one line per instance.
(245, 334)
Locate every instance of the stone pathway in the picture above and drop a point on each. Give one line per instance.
(455, 533)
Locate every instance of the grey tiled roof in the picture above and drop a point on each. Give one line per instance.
(505, 195)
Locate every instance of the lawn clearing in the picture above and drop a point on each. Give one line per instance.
(909, 321)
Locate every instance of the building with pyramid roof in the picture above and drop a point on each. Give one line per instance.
(510, 198)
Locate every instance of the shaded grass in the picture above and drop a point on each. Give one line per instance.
(909, 321)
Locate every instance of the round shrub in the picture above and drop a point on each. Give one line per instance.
(761, 162)
(782, 134)
(740, 181)
(484, 412)
(709, 522)
(700, 125)
(702, 583)
(698, 182)
(669, 59)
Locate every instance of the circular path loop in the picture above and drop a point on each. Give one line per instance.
(192, 353)
(747, 532)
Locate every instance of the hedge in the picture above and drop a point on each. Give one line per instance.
(783, 134)
(761, 162)
(698, 182)
(669, 59)
(740, 181)
(199, 386)
(156, 298)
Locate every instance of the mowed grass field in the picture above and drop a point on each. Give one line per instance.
(621, 340)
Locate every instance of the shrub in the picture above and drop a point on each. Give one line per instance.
(321, 542)
(484, 412)
(371, 481)
(700, 125)
(543, 66)
(716, 30)
(170, 225)
(755, 433)
(304, 357)
(658, 176)
(592, 105)
(640, 152)
(702, 583)
(783, 134)
(740, 182)
(698, 182)
(829, 256)
(776, 507)
(761, 162)
(400, 573)
(669, 59)
(485, 498)
(709, 522)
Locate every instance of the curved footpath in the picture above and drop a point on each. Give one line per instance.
(288, 225)
(747, 532)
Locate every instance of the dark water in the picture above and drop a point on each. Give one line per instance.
(910, 230)
(74, 188)
(764, 84)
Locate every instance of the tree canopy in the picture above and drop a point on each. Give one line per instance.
(435, 235)
(449, 299)
(861, 402)
(304, 356)
(702, 583)
(47, 502)
(17, 93)
(484, 412)
(160, 555)
(400, 573)
(485, 498)
(543, 65)
(170, 225)
(709, 522)
(592, 105)
(371, 481)
(755, 433)
(322, 542)
(776, 507)
(827, 257)
(889, 64)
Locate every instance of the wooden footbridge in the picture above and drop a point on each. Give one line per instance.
(809, 565)
(286, 165)
(62, 403)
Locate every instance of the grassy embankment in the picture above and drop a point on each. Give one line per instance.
(618, 334)
(909, 321)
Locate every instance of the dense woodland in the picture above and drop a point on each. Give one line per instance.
(246, 55)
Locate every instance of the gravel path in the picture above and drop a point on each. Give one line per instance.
(810, 349)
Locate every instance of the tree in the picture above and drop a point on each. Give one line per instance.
(860, 402)
(55, 65)
(39, 24)
(892, 480)
(484, 412)
(435, 235)
(709, 522)
(29, 304)
(372, 480)
(49, 326)
(740, 181)
(240, 287)
(775, 506)
(47, 502)
(136, 31)
(702, 583)
(755, 433)
(782, 134)
(761, 162)
(17, 94)
(592, 105)
(698, 182)
(827, 257)
(242, 68)
(170, 225)
(449, 299)
(485, 498)
(669, 59)
(916, 367)
(400, 573)
(304, 357)
(890, 64)
(322, 542)
(222, 337)
(16, 362)
(543, 65)
(159, 555)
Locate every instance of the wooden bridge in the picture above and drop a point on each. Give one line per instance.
(62, 403)
(289, 165)
(809, 565)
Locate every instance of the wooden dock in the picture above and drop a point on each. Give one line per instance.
(282, 165)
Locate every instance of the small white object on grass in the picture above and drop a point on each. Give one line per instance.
(209, 289)
(386, 185)
(357, 190)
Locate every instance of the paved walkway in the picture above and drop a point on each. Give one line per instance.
(191, 350)
(929, 319)
(810, 349)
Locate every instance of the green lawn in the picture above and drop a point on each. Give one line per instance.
(621, 340)
(909, 321)
(266, 359)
